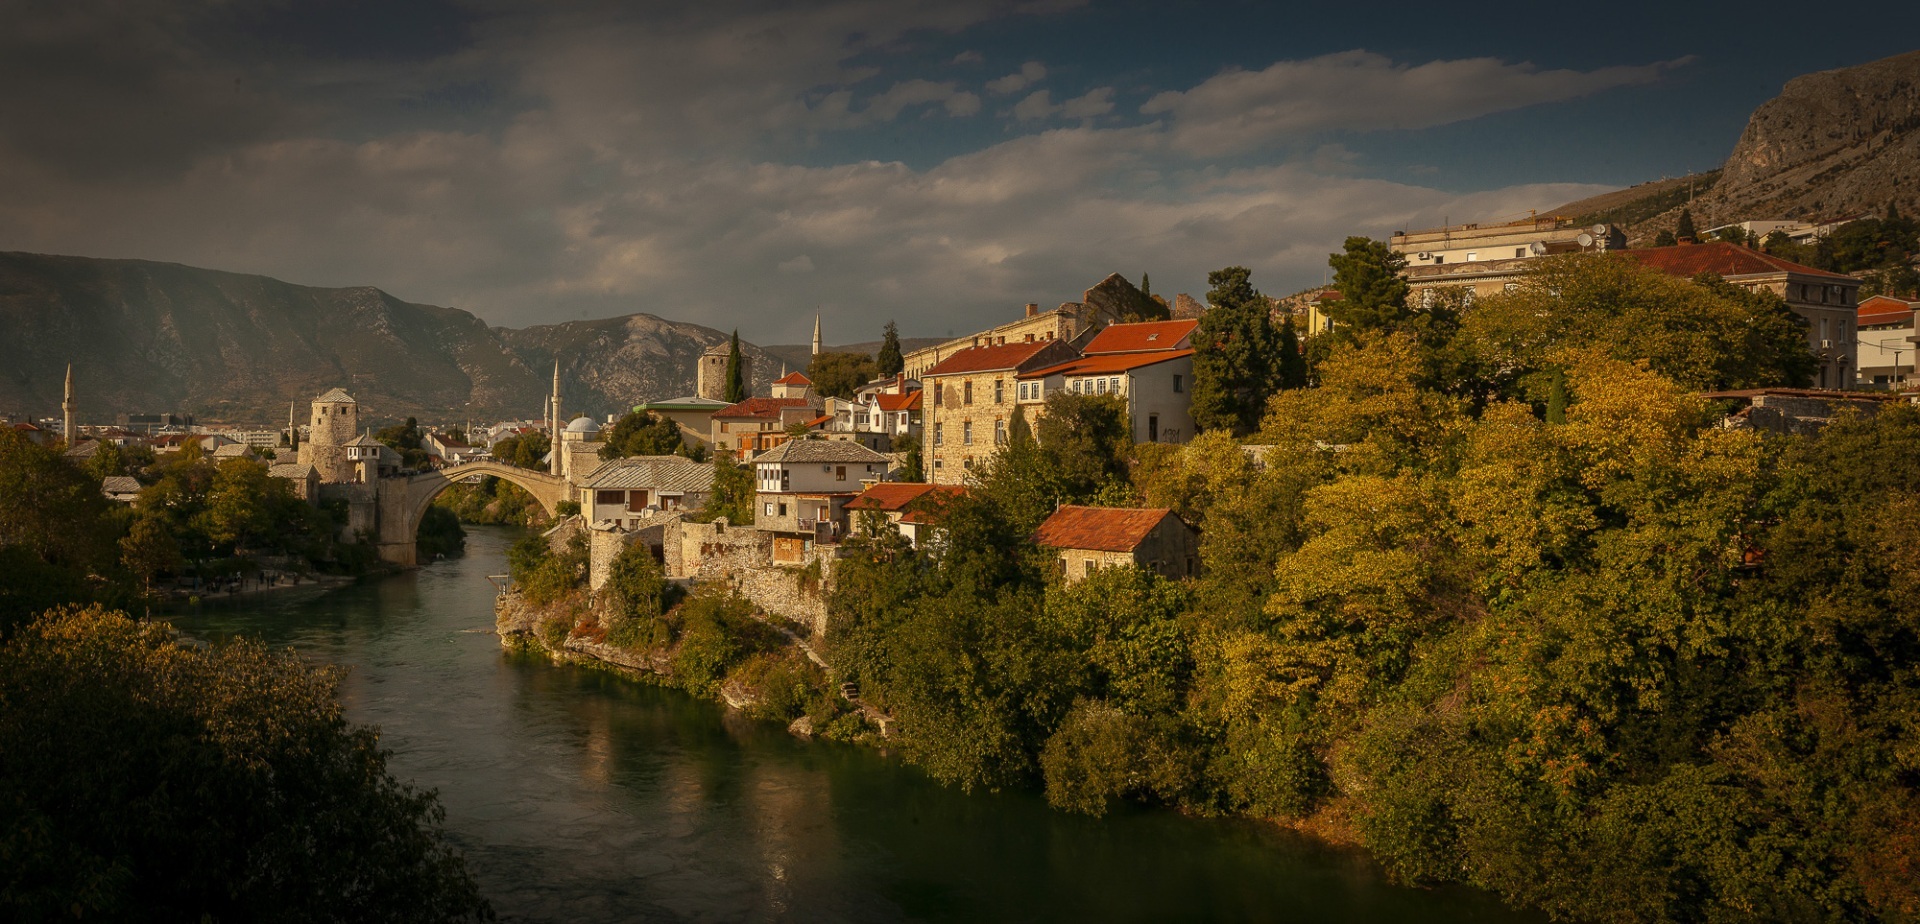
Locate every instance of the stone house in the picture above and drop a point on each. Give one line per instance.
(692, 414)
(1828, 302)
(1112, 300)
(912, 509)
(801, 490)
(1149, 364)
(969, 403)
(120, 488)
(302, 478)
(753, 426)
(628, 491)
(1089, 538)
(1886, 348)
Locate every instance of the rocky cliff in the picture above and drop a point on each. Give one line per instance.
(230, 347)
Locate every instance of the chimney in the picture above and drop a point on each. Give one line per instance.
(1033, 308)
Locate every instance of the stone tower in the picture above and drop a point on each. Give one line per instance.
(67, 408)
(710, 376)
(336, 421)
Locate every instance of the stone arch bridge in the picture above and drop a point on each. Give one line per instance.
(404, 499)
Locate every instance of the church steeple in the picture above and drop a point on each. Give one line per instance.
(67, 408)
(816, 335)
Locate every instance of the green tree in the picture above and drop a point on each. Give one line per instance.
(405, 438)
(149, 550)
(523, 451)
(1666, 239)
(1683, 229)
(57, 542)
(642, 433)
(1235, 348)
(732, 495)
(1290, 364)
(106, 461)
(910, 470)
(237, 512)
(890, 361)
(1373, 295)
(145, 779)
(839, 375)
(736, 372)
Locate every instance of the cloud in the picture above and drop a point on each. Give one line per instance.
(1238, 111)
(968, 57)
(1039, 105)
(799, 264)
(1029, 74)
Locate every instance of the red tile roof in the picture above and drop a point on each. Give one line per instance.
(794, 378)
(891, 402)
(1721, 259)
(1101, 365)
(23, 427)
(822, 419)
(891, 496)
(986, 358)
(1137, 338)
(760, 407)
(1884, 309)
(1100, 529)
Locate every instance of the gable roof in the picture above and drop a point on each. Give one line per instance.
(793, 378)
(1108, 363)
(1136, 338)
(1100, 529)
(759, 407)
(659, 473)
(687, 403)
(888, 401)
(290, 470)
(1885, 309)
(820, 451)
(119, 484)
(1724, 260)
(888, 496)
(988, 358)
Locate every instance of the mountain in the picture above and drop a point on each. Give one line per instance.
(230, 347)
(1833, 144)
(799, 355)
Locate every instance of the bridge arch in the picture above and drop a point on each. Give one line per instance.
(404, 501)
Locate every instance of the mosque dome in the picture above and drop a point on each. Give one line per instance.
(583, 425)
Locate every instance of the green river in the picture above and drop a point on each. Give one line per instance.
(580, 797)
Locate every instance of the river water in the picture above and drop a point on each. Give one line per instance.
(581, 797)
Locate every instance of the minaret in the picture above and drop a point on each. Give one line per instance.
(293, 429)
(816, 335)
(67, 408)
(553, 461)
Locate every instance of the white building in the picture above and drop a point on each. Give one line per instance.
(626, 491)
(1886, 344)
(802, 487)
(1150, 365)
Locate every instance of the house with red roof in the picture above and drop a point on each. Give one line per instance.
(754, 425)
(1886, 348)
(1149, 364)
(792, 385)
(912, 509)
(969, 400)
(1828, 302)
(1087, 539)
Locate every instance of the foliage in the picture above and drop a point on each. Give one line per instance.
(1880, 250)
(142, 779)
(546, 576)
(912, 465)
(492, 500)
(838, 375)
(57, 535)
(406, 439)
(642, 433)
(634, 596)
(1665, 239)
(732, 495)
(1235, 346)
(736, 381)
(715, 631)
(1683, 228)
(439, 534)
(890, 361)
(523, 451)
(1373, 295)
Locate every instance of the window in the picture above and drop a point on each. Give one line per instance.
(783, 510)
(1471, 256)
(724, 425)
(1439, 259)
(966, 433)
(1518, 252)
(1087, 567)
(839, 473)
(1103, 386)
(966, 396)
(968, 462)
(769, 508)
(939, 392)
(1116, 384)
(609, 497)
(1178, 385)
(1153, 428)
(999, 392)
(940, 435)
(999, 433)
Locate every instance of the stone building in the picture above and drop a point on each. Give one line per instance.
(1828, 302)
(1090, 538)
(335, 422)
(969, 402)
(1112, 300)
(579, 447)
(710, 376)
(693, 414)
(757, 424)
(1150, 365)
(801, 490)
(1489, 259)
(624, 491)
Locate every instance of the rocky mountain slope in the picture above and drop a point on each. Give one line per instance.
(147, 336)
(1835, 143)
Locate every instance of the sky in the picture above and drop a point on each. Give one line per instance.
(746, 165)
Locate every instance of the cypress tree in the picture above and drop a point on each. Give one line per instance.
(736, 381)
(890, 362)
(1235, 348)
(1664, 239)
(1683, 230)
(1290, 369)
(1372, 294)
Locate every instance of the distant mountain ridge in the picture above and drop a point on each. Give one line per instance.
(146, 336)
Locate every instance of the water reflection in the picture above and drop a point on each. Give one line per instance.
(579, 796)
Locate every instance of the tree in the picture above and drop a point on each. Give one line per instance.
(524, 451)
(1373, 296)
(149, 550)
(839, 375)
(106, 461)
(55, 532)
(405, 439)
(1146, 286)
(910, 469)
(736, 372)
(642, 433)
(1235, 349)
(890, 361)
(1683, 229)
(732, 495)
(237, 512)
(146, 779)
(1666, 239)
(1290, 367)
